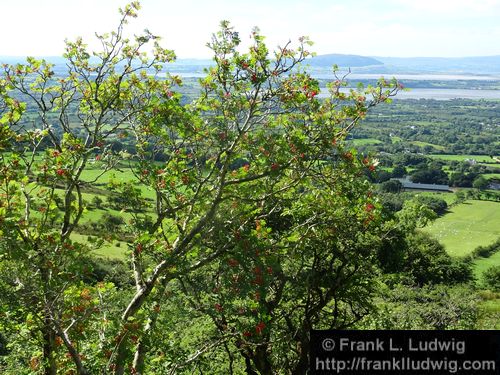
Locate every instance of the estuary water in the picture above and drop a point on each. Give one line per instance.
(448, 94)
(442, 94)
(416, 93)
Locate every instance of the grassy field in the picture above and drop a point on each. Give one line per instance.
(123, 175)
(491, 176)
(447, 197)
(478, 158)
(467, 226)
(423, 144)
(113, 250)
(491, 165)
(364, 141)
(482, 264)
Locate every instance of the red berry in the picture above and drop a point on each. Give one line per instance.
(257, 296)
(138, 248)
(260, 327)
(233, 262)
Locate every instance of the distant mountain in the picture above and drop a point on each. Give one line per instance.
(471, 65)
(348, 61)
(476, 65)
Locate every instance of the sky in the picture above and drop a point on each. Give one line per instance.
(398, 28)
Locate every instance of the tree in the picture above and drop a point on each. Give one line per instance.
(459, 196)
(480, 183)
(391, 186)
(103, 96)
(399, 171)
(432, 175)
(438, 205)
(97, 201)
(253, 107)
(491, 278)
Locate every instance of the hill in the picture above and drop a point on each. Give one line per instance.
(342, 60)
(473, 65)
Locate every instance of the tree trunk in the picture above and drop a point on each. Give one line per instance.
(302, 365)
(261, 360)
(49, 362)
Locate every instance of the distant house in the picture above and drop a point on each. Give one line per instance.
(408, 185)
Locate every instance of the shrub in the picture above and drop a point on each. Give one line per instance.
(391, 186)
(486, 251)
(438, 205)
(491, 278)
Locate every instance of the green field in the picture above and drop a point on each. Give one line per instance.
(491, 165)
(478, 158)
(467, 226)
(447, 197)
(365, 141)
(491, 176)
(423, 144)
(123, 175)
(113, 250)
(482, 264)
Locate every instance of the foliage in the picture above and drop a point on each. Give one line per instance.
(466, 226)
(486, 251)
(250, 181)
(432, 175)
(427, 262)
(399, 171)
(480, 183)
(461, 179)
(491, 278)
(97, 202)
(438, 205)
(413, 254)
(392, 186)
(403, 306)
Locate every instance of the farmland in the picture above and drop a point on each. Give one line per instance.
(467, 226)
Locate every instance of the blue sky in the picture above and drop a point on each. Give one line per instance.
(365, 27)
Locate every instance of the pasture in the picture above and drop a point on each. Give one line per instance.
(482, 264)
(477, 158)
(467, 226)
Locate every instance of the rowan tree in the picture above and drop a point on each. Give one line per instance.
(256, 192)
